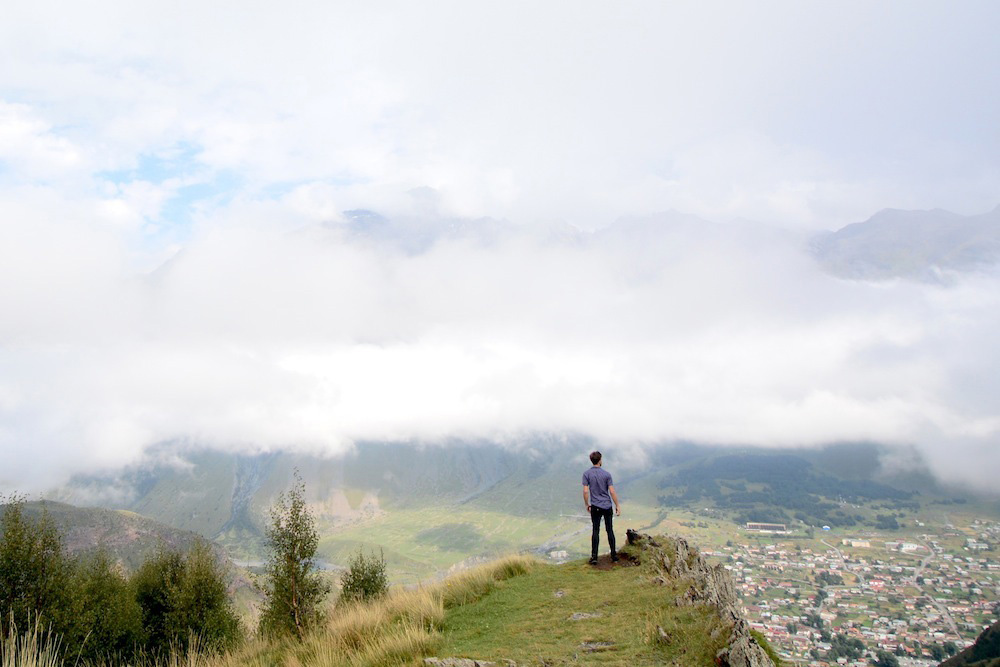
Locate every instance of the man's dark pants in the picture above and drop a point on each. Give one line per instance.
(596, 513)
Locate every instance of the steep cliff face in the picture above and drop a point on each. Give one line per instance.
(704, 584)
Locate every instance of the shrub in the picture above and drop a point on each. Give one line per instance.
(108, 620)
(184, 599)
(365, 578)
(156, 584)
(202, 607)
(885, 659)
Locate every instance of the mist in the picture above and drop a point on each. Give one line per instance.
(308, 337)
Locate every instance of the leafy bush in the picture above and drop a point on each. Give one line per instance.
(202, 606)
(885, 659)
(365, 578)
(830, 578)
(842, 646)
(886, 522)
(107, 618)
(184, 598)
(92, 612)
(156, 585)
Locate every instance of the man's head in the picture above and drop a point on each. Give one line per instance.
(595, 458)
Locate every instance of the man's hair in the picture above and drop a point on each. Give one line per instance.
(595, 457)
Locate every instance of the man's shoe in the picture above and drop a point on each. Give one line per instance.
(615, 558)
(593, 561)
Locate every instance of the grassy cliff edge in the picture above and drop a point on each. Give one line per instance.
(662, 603)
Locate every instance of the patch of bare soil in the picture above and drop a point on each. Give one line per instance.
(624, 560)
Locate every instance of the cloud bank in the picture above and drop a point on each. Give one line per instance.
(257, 336)
(176, 262)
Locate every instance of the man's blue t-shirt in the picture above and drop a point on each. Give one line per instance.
(598, 479)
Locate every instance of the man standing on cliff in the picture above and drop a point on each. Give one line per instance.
(598, 492)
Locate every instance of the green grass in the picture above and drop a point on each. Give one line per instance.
(513, 608)
(420, 543)
(527, 619)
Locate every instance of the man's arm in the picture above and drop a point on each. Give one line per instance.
(614, 497)
(586, 497)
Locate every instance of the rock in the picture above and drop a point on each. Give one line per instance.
(460, 662)
(743, 650)
(712, 584)
(559, 593)
(635, 537)
(592, 647)
(662, 635)
(580, 615)
(709, 585)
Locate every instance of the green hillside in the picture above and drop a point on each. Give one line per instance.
(433, 508)
(985, 652)
(129, 538)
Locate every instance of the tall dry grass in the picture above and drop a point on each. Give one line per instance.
(393, 630)
(400, 627)
(33, 648)
(470, 585)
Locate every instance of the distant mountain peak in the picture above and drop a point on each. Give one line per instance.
(917, 245)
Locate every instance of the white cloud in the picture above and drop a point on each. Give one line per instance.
(226, 136)
(257, 336)
(29, 145)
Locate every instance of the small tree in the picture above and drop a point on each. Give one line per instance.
(202, 607)
(183, 597)
(293, 588)
(365, 578)
(157, 584)
(108, 619)
(885, 659)
(34, 570)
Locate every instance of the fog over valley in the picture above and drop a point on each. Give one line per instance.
(312, 337)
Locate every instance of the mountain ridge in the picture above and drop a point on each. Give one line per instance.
(128, 538)
(923, 245)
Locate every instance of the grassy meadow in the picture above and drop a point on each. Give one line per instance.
(515, 608)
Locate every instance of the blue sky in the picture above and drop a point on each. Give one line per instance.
(175, 262)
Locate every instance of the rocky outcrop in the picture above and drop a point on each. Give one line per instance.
(742, 649)
(706, 584)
